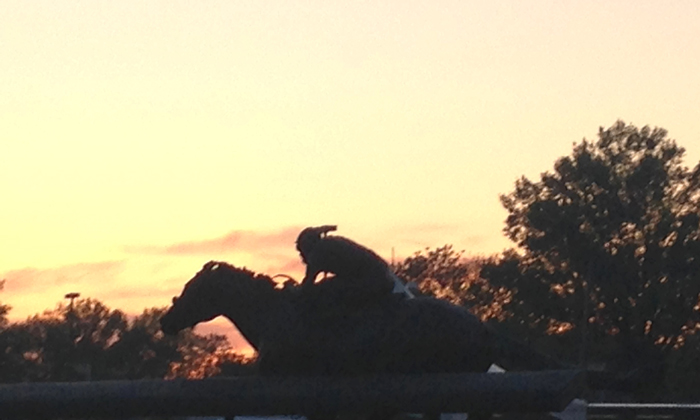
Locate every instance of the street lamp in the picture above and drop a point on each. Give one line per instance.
(73, 358)
(72, 296)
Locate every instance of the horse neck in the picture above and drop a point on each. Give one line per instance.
(253, 309)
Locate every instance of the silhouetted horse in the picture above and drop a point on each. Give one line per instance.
(404, 336)
(410, 336)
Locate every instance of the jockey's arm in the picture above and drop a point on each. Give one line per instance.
(312, 271)
(321, 258)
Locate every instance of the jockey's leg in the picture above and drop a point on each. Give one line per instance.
(367, 290)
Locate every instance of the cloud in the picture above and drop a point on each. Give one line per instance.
(130, 294)
(36, 280)
(400, 241)
(265, 252)
(475, 240)
(420, 233)
(32, 290)
(235, 241)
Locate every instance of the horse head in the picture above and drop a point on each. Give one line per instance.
(213, 291)
(198, 301)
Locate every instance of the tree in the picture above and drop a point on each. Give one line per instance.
(442, 273)
(203, 356)
(608, 246)
(4, 310)
(67, 343)
(8, 363)
(88, 341)
(446, 274)
(143, 351)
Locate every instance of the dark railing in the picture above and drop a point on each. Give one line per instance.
(628, 411)
(255, 395)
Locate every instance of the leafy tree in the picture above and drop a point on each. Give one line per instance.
(4, 310)
(682, 380)
(8, 363)
(142, 350)
(236, 364)
(68, 344)
(608, 246)
(88, 341)
(441, 272)
(446, 274)
(204, 356)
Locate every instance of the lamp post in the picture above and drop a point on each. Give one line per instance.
(70, 317)
(72, 296)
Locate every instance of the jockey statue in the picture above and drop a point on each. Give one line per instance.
(359, 276)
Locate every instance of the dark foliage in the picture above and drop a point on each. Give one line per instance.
(608, 255)
(88, 341)
(446, 274)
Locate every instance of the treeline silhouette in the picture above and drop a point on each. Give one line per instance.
(605, 273)
(85, 340)
(606, 268)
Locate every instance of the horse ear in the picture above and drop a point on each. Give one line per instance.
(327, 228)
(211, 265)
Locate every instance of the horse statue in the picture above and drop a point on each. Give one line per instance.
(422, 335)
(404, 336)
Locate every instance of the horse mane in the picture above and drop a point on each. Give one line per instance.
(259, 279)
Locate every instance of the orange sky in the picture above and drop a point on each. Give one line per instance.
(140, 140)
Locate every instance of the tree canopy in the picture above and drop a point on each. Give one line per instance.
(608, 245)
(446, 274)
(4, 309)
(88, 341)
(606, 267)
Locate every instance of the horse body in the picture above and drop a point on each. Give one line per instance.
(406, 336)
(422, 335)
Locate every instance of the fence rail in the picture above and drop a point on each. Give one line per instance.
(646, 411)
(254, 395)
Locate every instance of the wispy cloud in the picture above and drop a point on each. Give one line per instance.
(267, 252)
(33, 290)
(415, 237)
(238, 240)
(130, 294)
(38, 280)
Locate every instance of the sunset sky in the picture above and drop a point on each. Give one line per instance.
(141, 139)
